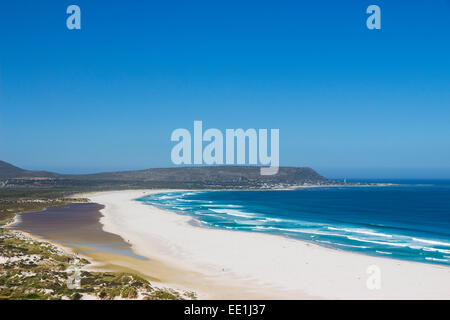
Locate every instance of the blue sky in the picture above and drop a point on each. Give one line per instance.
(348, 101)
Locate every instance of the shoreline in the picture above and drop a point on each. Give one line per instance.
(242, 264)
(86, 259)
(65, 249)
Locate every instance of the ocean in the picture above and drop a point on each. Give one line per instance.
(409, 220)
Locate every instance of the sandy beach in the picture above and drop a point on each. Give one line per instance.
(220, 264)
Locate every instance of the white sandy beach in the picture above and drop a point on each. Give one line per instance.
(241, 265)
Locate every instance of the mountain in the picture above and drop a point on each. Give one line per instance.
(8, 171)
(213, 176)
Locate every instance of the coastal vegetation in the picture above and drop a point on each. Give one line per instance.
(35, 269)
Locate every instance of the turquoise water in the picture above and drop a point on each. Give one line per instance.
(408, 221)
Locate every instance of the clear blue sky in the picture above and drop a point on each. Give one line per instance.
(348, 101)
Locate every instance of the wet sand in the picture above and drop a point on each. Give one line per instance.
(77, 226)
